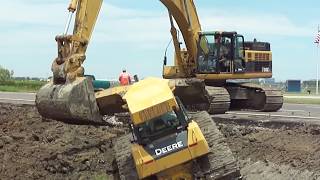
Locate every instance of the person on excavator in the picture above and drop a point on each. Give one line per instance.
(124, 78)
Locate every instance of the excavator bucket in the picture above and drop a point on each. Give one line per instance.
(71, 102)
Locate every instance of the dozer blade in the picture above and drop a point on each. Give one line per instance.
(111, 101)
(71, 103)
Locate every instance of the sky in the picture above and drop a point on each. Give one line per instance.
(133, 34)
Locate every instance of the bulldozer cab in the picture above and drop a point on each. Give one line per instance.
(220, 52)
(168, 123)
(163, 135)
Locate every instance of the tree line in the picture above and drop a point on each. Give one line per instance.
(5, 74)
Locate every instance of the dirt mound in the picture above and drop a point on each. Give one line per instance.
(269, 171)
(36, 148)
(296, 149)
(33, 148)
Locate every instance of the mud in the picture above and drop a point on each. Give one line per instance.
(279, 153)
(36, 148)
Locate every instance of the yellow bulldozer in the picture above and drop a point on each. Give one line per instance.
(169, 143)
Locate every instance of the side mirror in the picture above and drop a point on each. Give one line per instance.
(133, 140)
(165, 60)
(136, 78)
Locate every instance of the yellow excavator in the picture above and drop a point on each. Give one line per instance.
(200, 72)
(203, 70)
(166, 141)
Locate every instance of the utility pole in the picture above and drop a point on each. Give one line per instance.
(317, 84)
(318, 56)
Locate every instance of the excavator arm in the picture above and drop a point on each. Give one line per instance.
(72, 48)
(185, 14)
(70, 97)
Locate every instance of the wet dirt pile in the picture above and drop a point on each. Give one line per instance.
(36, 148)
(283, 152)
(33, 148)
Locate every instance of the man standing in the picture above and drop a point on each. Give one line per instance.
(124, 78)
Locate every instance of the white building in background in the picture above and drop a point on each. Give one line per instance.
(268, 81)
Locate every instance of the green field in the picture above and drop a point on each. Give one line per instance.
(301, 101)
(21, 86)
(34, 86)
(302, 98)
(300, 94)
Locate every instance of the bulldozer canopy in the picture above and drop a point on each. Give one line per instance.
(149, 98)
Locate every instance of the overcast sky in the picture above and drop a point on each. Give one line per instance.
(134, 34)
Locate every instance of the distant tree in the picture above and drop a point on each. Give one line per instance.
(5, 74)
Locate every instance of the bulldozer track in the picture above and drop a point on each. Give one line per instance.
(219, 99)
(219, 163)
(273, 97)
(123, 157)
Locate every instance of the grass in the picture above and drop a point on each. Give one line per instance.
(34, 86)
(300, 94)
(21, 86)
(301, 101)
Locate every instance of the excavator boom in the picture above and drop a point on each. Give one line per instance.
(185, 14)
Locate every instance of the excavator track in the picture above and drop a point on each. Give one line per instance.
(196, 96)
(219, 163)
(219, 99)
(260, 98)
(123, 157)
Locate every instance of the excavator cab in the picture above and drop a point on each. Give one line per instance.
(220, 52)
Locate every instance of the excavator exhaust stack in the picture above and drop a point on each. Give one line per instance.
(73, 102)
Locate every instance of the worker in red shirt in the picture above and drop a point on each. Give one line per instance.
(124, 78)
